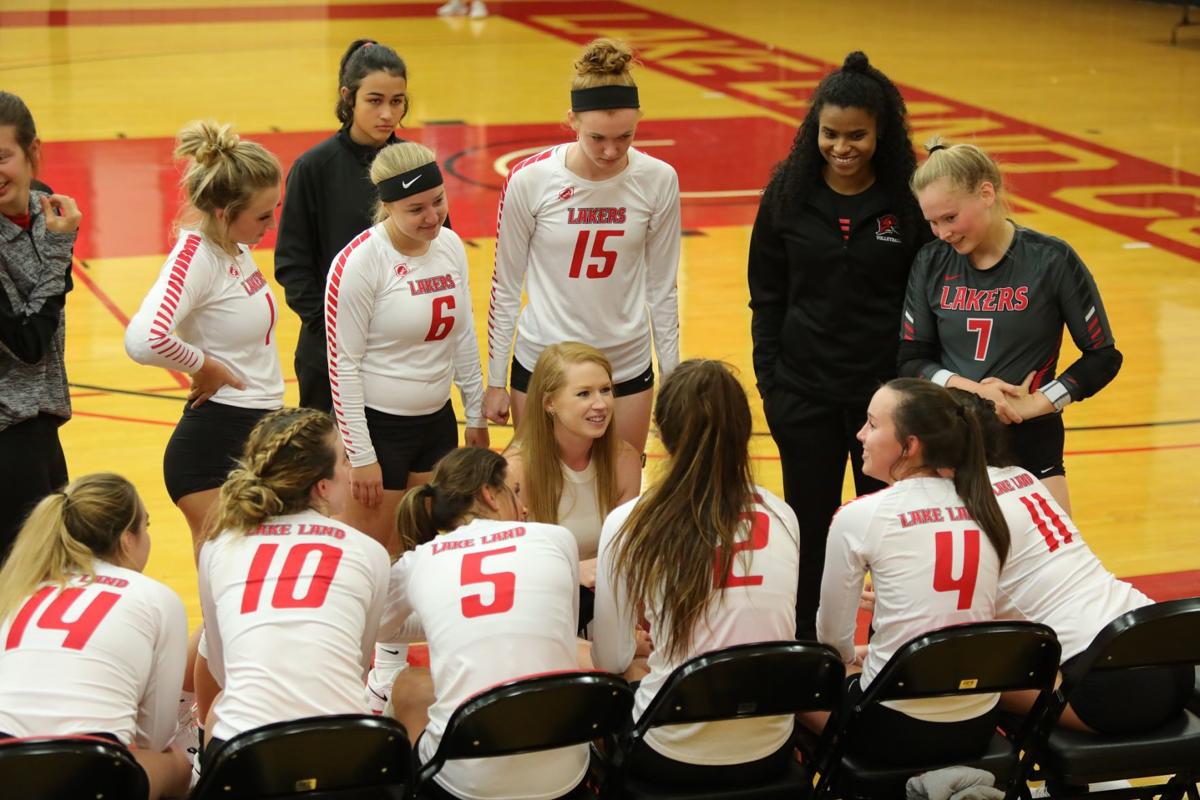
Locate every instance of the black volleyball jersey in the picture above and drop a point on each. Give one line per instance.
(1007, 321)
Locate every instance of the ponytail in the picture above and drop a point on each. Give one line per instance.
(446, 501)
(951, 438)
(66, 532)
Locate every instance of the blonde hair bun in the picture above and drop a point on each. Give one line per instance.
(206, 142)
(604, 57)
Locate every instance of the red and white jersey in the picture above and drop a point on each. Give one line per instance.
(207, 301)
(931, 566)
(758, 604)
(399, 329)
(290, 614)
(598, 260)
(498, 601)
(102, 654)
(1051, 576)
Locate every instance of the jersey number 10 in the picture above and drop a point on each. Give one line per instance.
(284, 596)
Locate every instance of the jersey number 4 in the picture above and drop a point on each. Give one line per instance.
(284, 596)
(943, 566)
(608, 258)
(53, 618)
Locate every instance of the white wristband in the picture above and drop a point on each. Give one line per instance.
(942, 377)
(1057, 394)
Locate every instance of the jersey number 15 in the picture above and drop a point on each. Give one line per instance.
(608, 258)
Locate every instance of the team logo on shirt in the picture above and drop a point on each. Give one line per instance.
(401, 270)
(566, 193)
(887, 229)
(234, 272)
(596, 216)
(255, 283)
(438, 283)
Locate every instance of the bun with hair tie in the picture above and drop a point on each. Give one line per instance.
(856, 62)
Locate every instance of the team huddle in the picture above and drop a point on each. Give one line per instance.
(901, 323)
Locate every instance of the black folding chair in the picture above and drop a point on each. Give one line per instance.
(958, 660)
(539, 713)
(1157, 635)
(342, 756)
(752, 680)
(69, 768)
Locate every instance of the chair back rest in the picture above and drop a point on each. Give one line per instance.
(69, 767)
(751, 680)
(1154, 635)
(969, 659)
(537, 713)
(348, 751)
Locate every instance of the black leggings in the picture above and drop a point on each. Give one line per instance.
(32, 465)
(1130, 701)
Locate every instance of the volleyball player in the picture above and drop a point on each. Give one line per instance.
(710, 559)
(986, 306)
(91, 645)
(1052, 576)
(565, 460)
(291, 597)
(835, 236)
(211, 314)
(400, 330)
(330, 198)
(614, 212)
(37, 236)
(933, 542)
(497, 600)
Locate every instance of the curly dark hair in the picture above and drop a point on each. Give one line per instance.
(856, 85)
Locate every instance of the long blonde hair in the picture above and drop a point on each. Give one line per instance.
(285, 455)
(66, 532)
(538, 447)
(223, 172)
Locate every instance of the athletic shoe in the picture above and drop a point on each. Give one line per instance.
(453, 8)
(478, 10)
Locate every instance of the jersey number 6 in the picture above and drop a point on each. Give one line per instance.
(442, 323)
(609, 257)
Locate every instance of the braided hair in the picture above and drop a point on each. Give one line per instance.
(856, 85)
(287, 453)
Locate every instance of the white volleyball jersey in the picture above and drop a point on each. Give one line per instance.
(1051, 576)
(931, 566)
(290, 614)
(399, 329)
(103, 654)
(758, 604)
(498, 601)
(207, 301)
(598, 260)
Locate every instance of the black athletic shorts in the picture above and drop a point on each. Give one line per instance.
(1131, 701)
(410, 444)
(519, 380)
(1037, 445)
(206, 445)
(885, 735)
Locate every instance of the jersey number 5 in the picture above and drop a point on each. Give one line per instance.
(943, 566)
(284, 596)
(607, 257)
(53, 618)
(504, 584)
(760, 526)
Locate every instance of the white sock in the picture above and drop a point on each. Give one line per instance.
(1104, 786)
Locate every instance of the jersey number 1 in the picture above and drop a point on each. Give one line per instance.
(52, 619)
(607, 257)
(284, 596)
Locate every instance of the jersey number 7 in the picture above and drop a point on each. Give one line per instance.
(607, 257)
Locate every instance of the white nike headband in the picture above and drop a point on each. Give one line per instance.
(406, 184)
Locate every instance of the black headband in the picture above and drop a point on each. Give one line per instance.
(406, 184)
(602, 97)
(934, 148)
